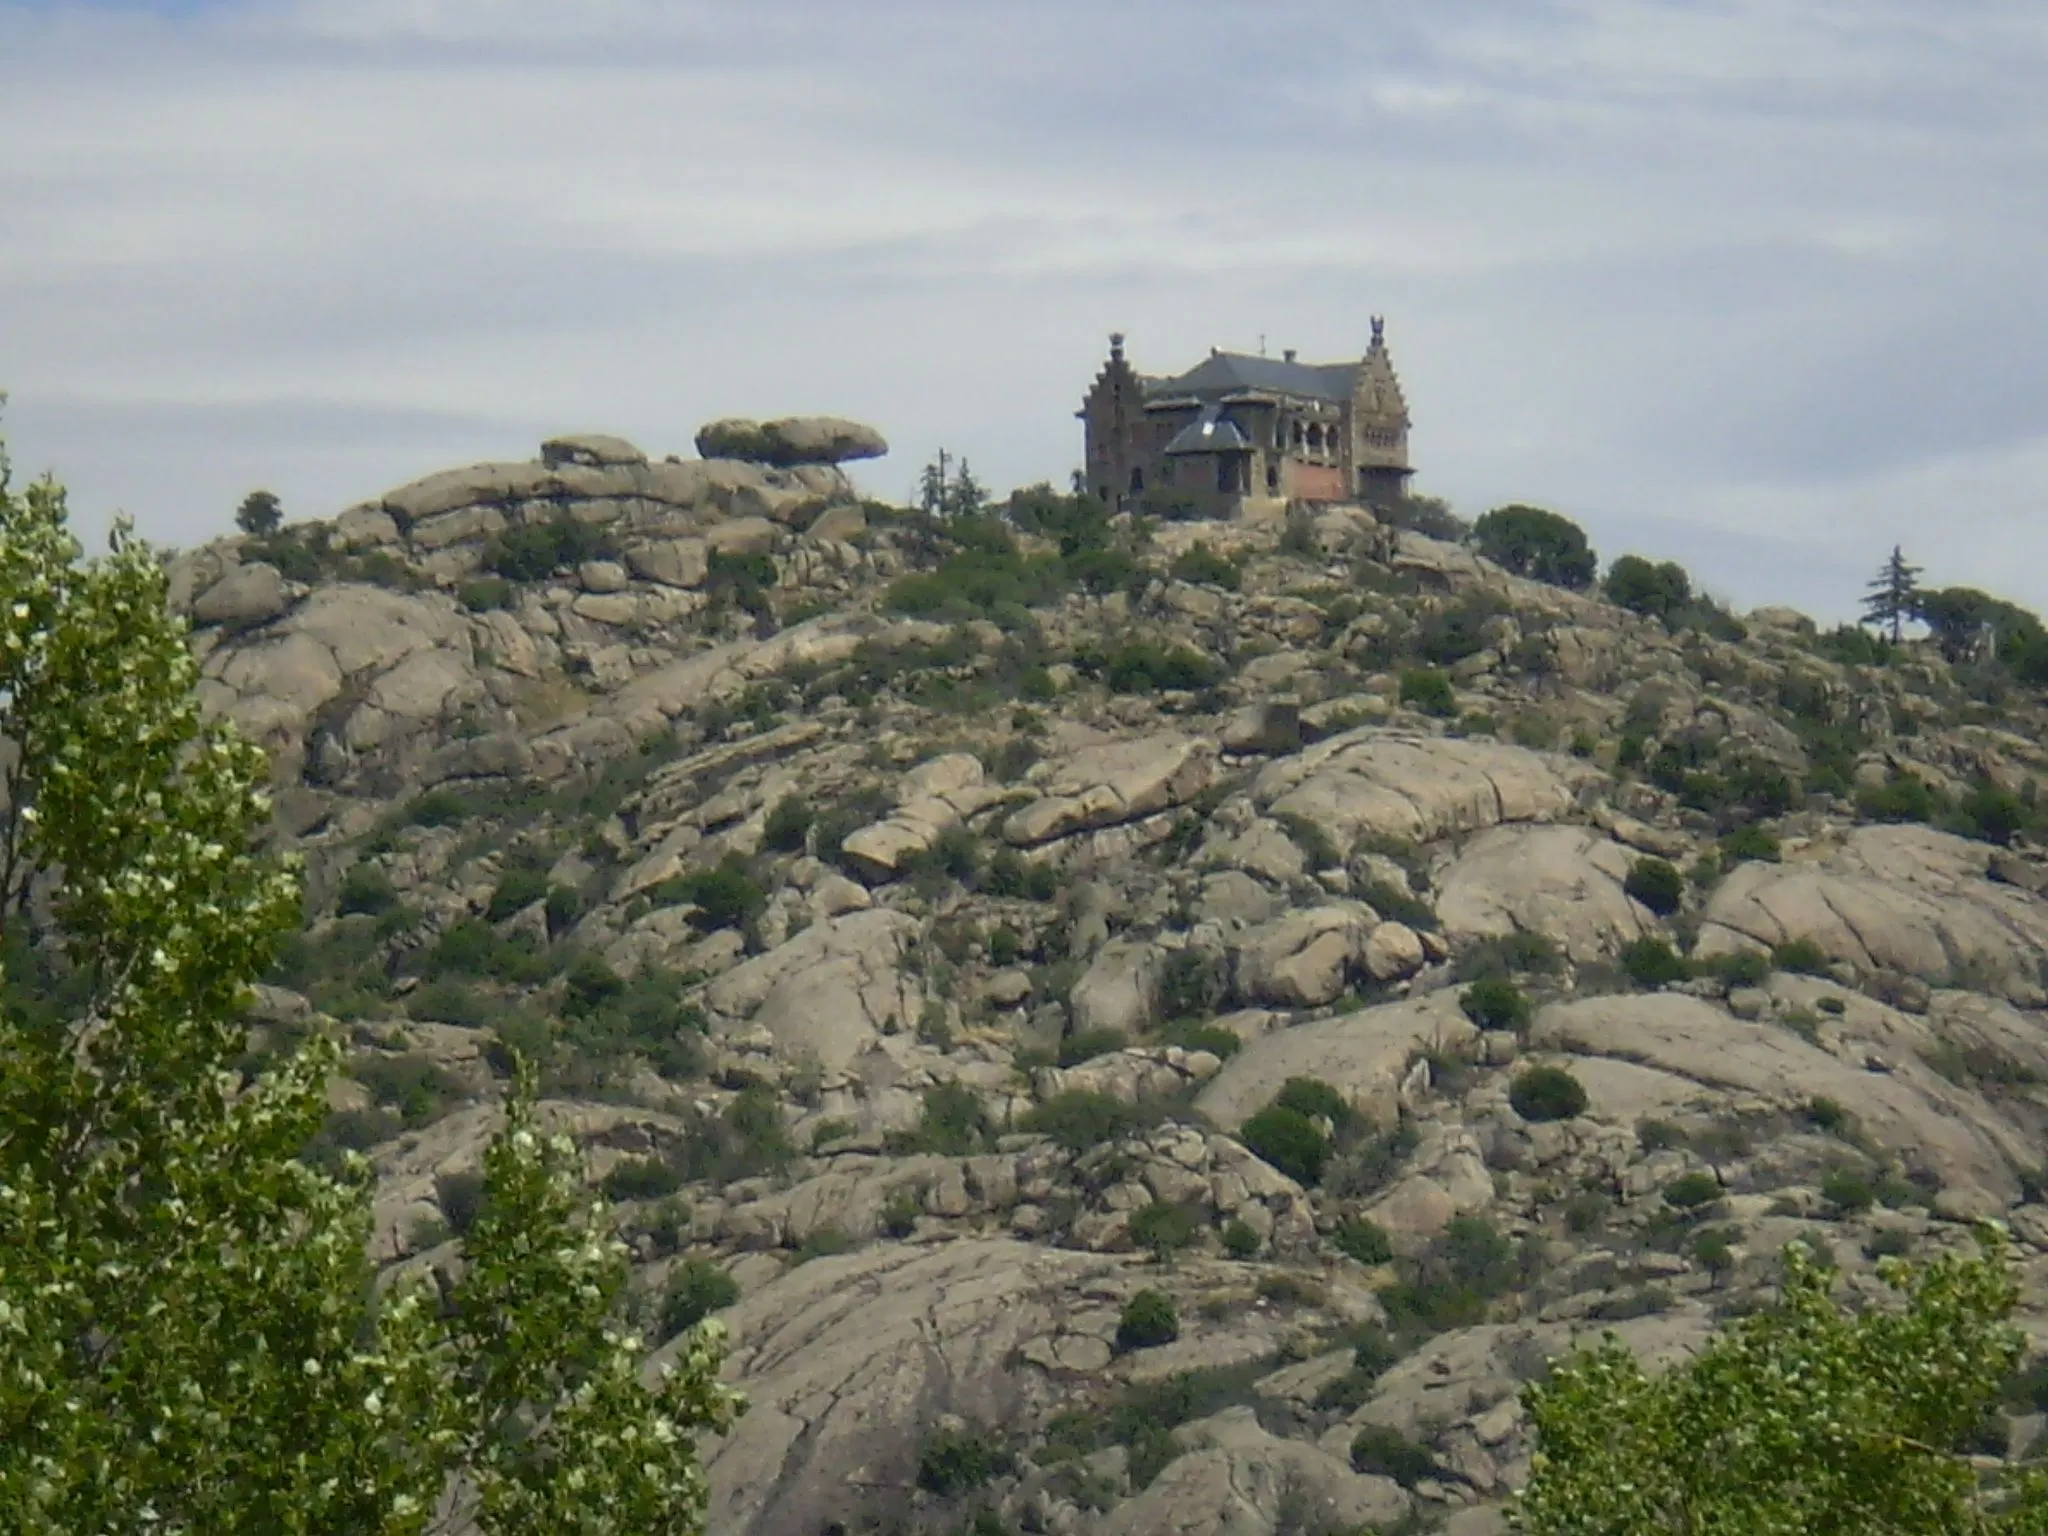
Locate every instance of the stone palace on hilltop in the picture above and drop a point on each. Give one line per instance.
(1242, 436)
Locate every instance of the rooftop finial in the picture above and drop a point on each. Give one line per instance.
(1379, 330)
(1116, 346)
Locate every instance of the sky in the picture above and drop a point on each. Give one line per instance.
(1754, 285)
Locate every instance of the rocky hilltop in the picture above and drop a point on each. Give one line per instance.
(1137, 1029)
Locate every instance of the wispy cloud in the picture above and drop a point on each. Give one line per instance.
(1750, 283)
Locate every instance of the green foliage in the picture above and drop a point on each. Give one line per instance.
(1689, 1191)
(1135, 664)
(260, 514)
(1429, 690)
(1547, 1093)
(1749, 841)
(192, 1333)
(1847, 1191)
(1657, 884)
(1514, 954)
(1651, 963)
(1538, 544)
(1903, 796)
(1148, 1320)
(416, 1086)
(366, 888)
(956, 1461)
(1080, 1119)
(535, 551)
(1363, 1239)
(725, 897)
(1238, 1239)
(1193, 984)
(1495, 1002)
(1163, 1228)
(788, 825)
(1451, 1282)
(641, 1178)
(1801, 957)
(743, 1141)
(1656, 591)
(1801, 1417)
(1201, 564)
(517, 889)
(485, 593)
(1386, 1452)
(1289, 1140)
(952, 1123)
(1009, 874)
(696, 1288)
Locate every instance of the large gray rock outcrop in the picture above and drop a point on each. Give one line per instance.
(1376, 782)
(1102, 786)
(827, 995)
(1901, 898)
(790, 441)
(1560, 881)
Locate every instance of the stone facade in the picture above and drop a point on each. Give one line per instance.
(1238, 435)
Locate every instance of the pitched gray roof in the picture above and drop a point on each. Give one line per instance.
(1210, 432)
(1227, 373)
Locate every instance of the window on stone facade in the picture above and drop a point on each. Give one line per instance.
(1272, 477)
(1137, 480)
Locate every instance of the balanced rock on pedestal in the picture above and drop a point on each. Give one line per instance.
(791, 441)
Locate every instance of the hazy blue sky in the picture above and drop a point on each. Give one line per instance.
(1758, 285)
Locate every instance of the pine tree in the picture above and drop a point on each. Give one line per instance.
(260, 513)
(965, 497)
(1894, 597)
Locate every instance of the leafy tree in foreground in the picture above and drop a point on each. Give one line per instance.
(1536, 543)
(1893, 598)
(192, 1341)
(1799, 1420)
(259, 513)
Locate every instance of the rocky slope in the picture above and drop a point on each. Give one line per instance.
(940, 936)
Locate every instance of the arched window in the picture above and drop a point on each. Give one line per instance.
(1137, 480)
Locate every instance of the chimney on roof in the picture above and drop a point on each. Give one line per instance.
(1288, 355)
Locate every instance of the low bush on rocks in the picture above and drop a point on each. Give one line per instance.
(535, 551)
(366, 889)
(1494, 1002)
(1650, 963)
(953, 1123)
(1547, 1093)
(1749, 841)
(1080, 1120)
(1288, 1140)
(1203, 566)
(1689, 1191)
(956, 1461)
(1657, 884)
(641, 1178)
(1515, 954)
(788, 825)
(1428, 690)
(1148, 1320)
(1238, 1239)
(1363, 1239)
(1136, 665)
(1386, 1452)
(1451, 1283)
(1163, 1228)
(1801, 957)
(696, 1288)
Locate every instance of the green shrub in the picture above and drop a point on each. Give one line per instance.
(1163, 1228)
(1739, 968)
(1655, 591)
(1513, 954)
(1429, 690)
(1657, 884)
(1385, 1452)
(725, 897)
(1847, 1191)
(1902, 797)
(1651, 963)
(1826, 1114)
(535, 551)
(564, 906)
(900, 1212)
(1538, 544)
(1450, 1283)
(641, 1178)
(1148, 1320)
(1991, 814)
(1192, 1036)
(1317, 1100)
(952, 1124)
(1080, 1120)
(416, 1086)
(1193, 984)
(517, 889)
(788, 824)
(485, 593)
(1801, 957)
(1689, 1191)
(696, 1289)
(1494, 1002)
(1363, 1239)
(460, 1194)
(1137, 665)
(1397, 906)
(1202, 565)
(1289, 1141)
(747, 1139)
(1238, 1239)
(1547, 1093)
(1008, 874)
(957, 1461)
(447, 1001)
(367, 889)
(1750, 841)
